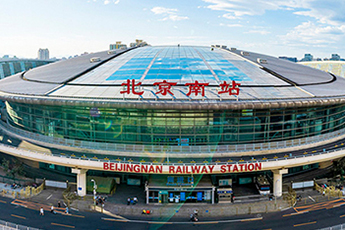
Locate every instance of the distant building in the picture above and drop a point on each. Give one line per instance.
(118, 45)
(293, 59)
(335, 57)
(307, 57)
(10, 66)
(43, 54)
(334, 67)
(138, 42)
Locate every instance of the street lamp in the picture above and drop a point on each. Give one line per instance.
(94, 191)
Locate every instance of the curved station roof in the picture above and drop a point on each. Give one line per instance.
(175, 77)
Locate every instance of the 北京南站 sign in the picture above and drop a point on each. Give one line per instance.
(182, 169)
(194, 88)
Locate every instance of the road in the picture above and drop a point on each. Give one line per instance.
(314, 216)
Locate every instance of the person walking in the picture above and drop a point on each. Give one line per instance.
(59, 204)
(52, 210)
(128, 201)
(135, 200)
(67, 211)
(41, 211)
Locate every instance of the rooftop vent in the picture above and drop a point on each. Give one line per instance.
(112, 52)
(243, 53)
(123, 48)
(224, 47)
(218, 46)
(261, 61)
(212, 45)
(95, 59)
(233, 49)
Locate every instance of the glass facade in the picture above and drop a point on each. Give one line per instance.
(10, 67)
(176, 127)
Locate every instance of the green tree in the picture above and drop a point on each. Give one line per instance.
(12, 168)
(339, 168)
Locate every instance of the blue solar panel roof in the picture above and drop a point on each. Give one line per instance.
(181, 64)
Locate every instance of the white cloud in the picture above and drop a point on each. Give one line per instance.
(106, 2)
(231, 25)
(163, 10)
(169, 13)
(262, 32)
(324, 11)
(309, 33)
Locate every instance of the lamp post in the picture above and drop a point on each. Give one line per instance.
(94, 191)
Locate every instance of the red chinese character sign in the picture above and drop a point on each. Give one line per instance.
(164, 87)
(231, 89)
(131, 87)
(196, 88)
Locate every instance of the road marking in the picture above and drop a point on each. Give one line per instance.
(296, 225)
(208, 222)
(252, 219)
(159, 222)
(2, 201)
(110, 219)
(21, 217)
(311, 198)
(189, 222)
(72, 215)
(295, 213)
(49, 196)
(342, 216)
(63, 225)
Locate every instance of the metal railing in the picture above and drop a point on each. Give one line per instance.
(5, 148)
(4, 225)
(336, 227)
(172, 149)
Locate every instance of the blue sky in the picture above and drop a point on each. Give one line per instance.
(274, 27)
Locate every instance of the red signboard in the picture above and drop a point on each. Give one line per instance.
(182, 169)
(195, 88)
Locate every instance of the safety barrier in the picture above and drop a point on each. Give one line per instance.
(172, 149)
(25, 192)
(329, 191)
(4, 225)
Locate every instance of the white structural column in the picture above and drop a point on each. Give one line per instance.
(81, 180)
(278, 181)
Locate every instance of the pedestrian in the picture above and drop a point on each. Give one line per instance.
(59, 204)
(52, 210)
(135, 200)
(196, 212)
(67, 212)
(128, 201)
(41, 211)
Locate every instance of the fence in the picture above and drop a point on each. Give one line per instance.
(336, 227)
(330, 191)
(9, 180)
(4, 225)
(26, 192)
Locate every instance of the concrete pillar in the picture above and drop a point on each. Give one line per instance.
(278, 181)
(81, 180)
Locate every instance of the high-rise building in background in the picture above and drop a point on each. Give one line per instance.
(293, 59)
(117, 45)
(43, 54)
(335, 57)
(307, 57)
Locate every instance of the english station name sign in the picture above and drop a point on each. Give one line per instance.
(182, 169)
